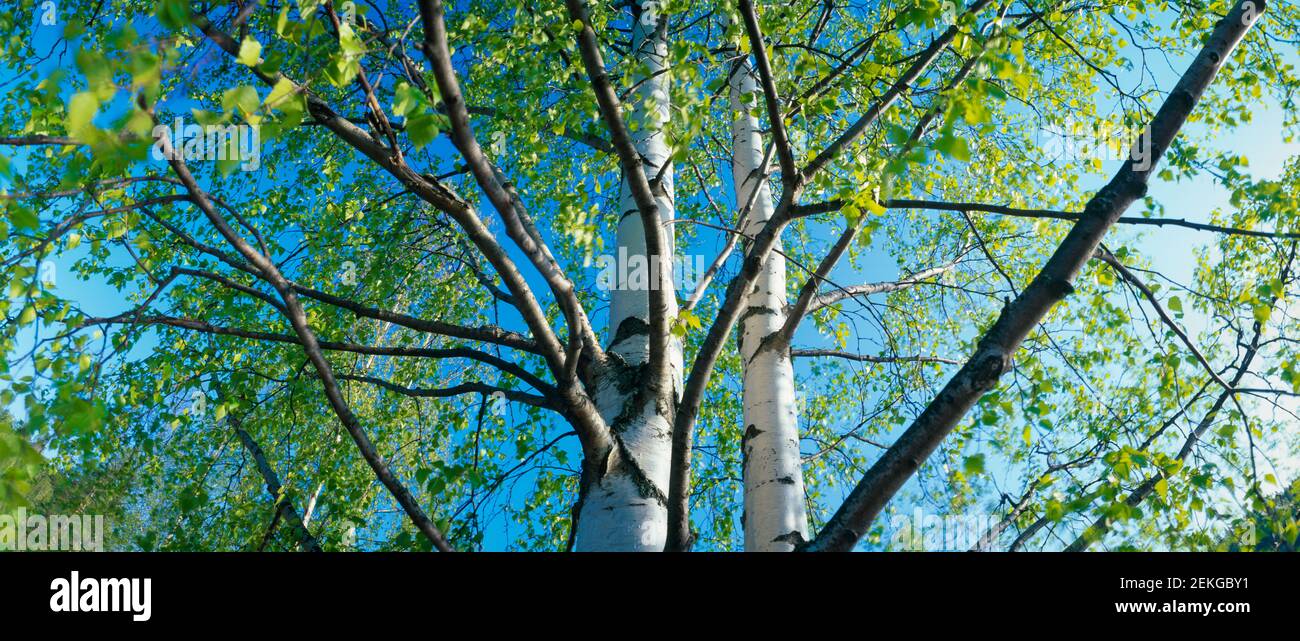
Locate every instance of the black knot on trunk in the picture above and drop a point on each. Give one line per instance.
(990, 367)
(631, 326)
(1061, 288)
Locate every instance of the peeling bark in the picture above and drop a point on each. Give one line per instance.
(624, 503)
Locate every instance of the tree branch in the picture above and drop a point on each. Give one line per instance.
(1105, 256)
(467, 387)
(519, 224)
(1053, 282)
(883, 104)
(1005, 210)
(310, 345)
(763, 243)
(429, 190)
(642, 193)
(1102, 525)
(283, 505)
(833, 353)
(780, 140)
(836, 295)
(333, 346)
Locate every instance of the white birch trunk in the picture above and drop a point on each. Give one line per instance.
(311, 504)
(774, 519)
(625, 508)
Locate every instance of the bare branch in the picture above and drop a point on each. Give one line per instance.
(519, 224)
(1105, 256)
(781, 141)
(836, 295)
(934, 205)
(833, 353)
(205, 327)
(467, 387)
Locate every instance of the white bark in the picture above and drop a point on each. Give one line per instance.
(625, 508)
(311, 504)
(774, 519)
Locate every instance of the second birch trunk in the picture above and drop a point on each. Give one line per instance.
(774, 518)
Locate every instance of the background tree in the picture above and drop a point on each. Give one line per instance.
(836, 251)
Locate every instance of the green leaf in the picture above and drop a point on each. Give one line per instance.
(115, 229)
(282, 20)
(146, 70)
(1262, 312)
(173, 14)
(349, 42)
(73, 29)
(873, 206)
(250, 51)
(1054, 510)
(342, 69)
(283, 89)
(245, 98)
(307, 7)
(23, 218)
(973, 464)
(81, 111)
(422, 129)
(98, 72)
(406, 99)
(687, 320)
(953, 147)
(208, 118)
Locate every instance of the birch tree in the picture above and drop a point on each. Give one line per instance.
(624, 504)
(652, 276)
(774, 501)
